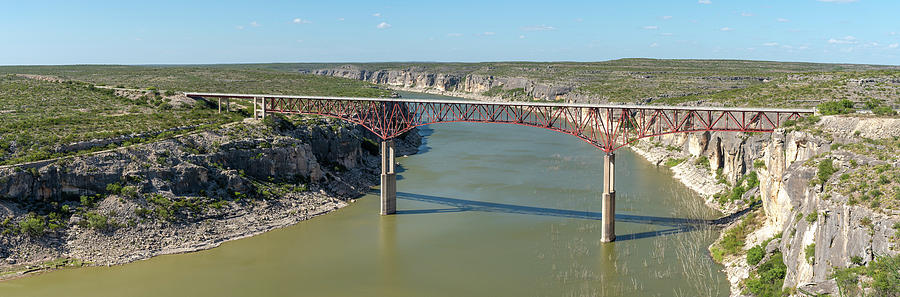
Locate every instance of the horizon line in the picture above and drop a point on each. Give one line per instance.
(444, 62)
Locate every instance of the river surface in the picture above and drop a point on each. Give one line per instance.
(484, 210)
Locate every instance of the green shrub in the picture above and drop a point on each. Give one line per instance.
(98, 222)
(129, 191)
(55, 221)
(755, 254)
(810, 252)
(674, 162)
(826, 169)
(883, 277)
(811, 217)
(114, 188)
(733, 240)
(885, 273)
(884, 111)
(857, 260)
(752, 180)
(759, 164)
(843, 106)
(720, 178)
(702, 161)
(90, 201)
(768, 279)
(142, 212)
(33, 225)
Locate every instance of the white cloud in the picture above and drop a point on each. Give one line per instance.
(654, 44)
(377, 14)
(845, 40)
(254, 24)
(488, 33)
(454, 34)
(521, 36)
(538, 28)
(383, 25)
(726, 29)
(651, 27)
(666, 17)
(894, 45)
(747, 14)
(838, 1)
(301, 21)
(340, 19)
(782, 20)
(239, 27)
(704, 1)
(770, 44)
(892, 33)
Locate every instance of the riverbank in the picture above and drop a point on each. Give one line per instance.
(183, 194)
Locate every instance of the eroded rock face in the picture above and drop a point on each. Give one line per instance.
(781, 161)
(731, 153)
(837, 230)
(208, 162)
(420, 80)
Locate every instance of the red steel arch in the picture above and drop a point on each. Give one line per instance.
(608, 127)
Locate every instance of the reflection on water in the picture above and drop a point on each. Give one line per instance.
(484, 210)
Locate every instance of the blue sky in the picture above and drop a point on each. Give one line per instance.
(189, 32)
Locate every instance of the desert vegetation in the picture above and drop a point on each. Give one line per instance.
(74, 109)
(706, 82)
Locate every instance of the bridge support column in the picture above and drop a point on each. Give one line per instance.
(255, 109)
(388, 179)
(608, 229)
(259, 107)
(263, 103)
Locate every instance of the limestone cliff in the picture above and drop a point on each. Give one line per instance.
(807, 213)
(413, 79)
(795, 207)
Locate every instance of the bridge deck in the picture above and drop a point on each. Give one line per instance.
(509, 103)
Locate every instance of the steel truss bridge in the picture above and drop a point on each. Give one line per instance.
(605, 126)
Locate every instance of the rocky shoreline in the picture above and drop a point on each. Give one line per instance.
(183, 194)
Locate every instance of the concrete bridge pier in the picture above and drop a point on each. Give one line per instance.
(388, 179)
(608, 229)
(259, 107)
(227, 104)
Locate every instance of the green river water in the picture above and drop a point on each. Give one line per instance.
(484, 210)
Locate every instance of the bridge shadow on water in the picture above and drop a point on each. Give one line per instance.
(676, 225)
